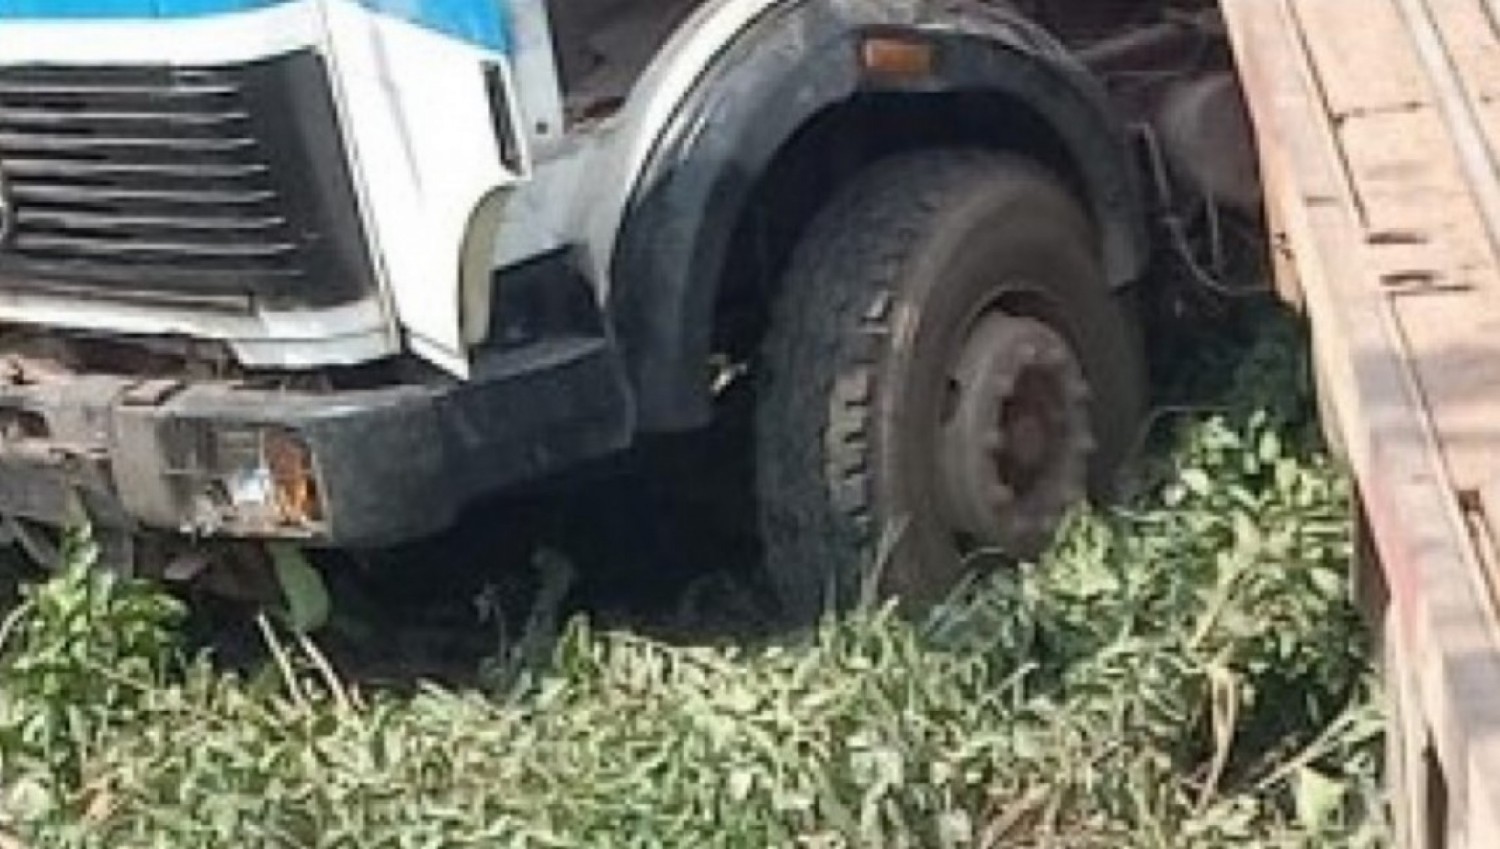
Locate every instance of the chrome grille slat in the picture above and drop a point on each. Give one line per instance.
(122, 144)
(102, 169)
(88, 121)
(44, 219)
(99, 197)
(31, 90)
(105, 247)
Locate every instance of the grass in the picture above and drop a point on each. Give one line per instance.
(1182, 672)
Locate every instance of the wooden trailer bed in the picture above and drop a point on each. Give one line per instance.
(1379, 128)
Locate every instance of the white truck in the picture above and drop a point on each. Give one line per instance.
(328, 270)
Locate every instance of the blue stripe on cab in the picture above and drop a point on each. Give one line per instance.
(126, 8)
(481, 22)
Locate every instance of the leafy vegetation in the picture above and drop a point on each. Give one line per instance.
(1183, 672)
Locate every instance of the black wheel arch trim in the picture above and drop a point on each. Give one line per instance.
(779, 74)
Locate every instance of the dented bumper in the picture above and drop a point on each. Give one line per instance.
(356, 468)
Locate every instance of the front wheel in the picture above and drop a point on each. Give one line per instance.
(946, 374)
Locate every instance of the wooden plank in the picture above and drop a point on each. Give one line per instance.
(1457, 338)
(1426, 227)
(1412, 194)
(1455, 345)
(1469, 31)
(1457, 51)
(1360, 61)
(1448, 635)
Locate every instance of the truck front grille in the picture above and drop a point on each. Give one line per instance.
(211, 183)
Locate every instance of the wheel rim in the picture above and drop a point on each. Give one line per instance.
(1014, 438)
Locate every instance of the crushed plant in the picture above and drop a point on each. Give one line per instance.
(1184, 671)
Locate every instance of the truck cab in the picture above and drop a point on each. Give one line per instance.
(269, 213)
(328, 271)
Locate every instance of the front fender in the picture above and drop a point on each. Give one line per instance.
(776, 77)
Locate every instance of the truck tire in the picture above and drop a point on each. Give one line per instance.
(946, 373)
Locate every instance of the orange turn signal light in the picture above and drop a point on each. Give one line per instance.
(898, 58)
(294, 477)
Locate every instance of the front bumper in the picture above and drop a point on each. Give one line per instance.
(375, 466)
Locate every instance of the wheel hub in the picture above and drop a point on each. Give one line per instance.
(1015, 437)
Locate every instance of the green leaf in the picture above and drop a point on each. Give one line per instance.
(306, 595)
(1197, 481)
(1270, 447)
(1318, 799)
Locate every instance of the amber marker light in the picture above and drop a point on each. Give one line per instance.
(894, 57)
(294, 477)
